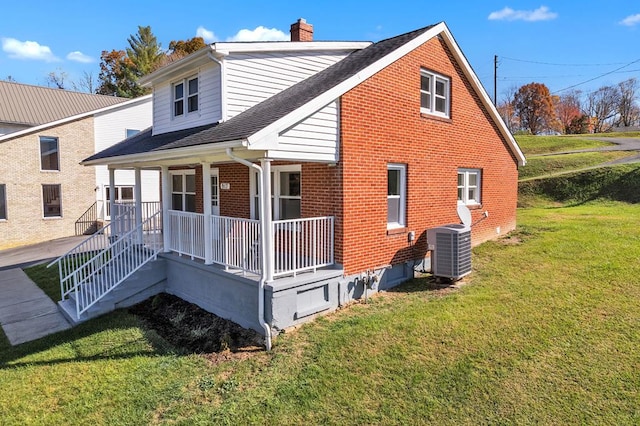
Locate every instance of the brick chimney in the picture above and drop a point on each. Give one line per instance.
(301, 31)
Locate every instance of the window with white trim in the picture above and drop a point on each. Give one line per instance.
(51, 200)
(434, 94)
(185, 96)
(469, 186)
(286, 193)
(3, 201)
(123, 194)
(183, 190)
(49, 154)
(396, 195)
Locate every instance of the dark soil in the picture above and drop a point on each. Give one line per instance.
(191, 329)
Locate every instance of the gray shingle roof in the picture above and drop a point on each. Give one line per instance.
(35, 105)
(267, 112)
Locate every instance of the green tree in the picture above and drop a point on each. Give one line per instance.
(117, 75)
(534, 107)
(144, 51)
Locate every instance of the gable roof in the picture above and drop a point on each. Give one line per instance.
(34, 105)
(304, 98)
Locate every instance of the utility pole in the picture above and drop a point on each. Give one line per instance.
(495, 80)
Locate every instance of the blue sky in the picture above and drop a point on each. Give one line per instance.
(559, 43)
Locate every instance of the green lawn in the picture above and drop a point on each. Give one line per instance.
(532, 144)
(545, 331)
(542, 166)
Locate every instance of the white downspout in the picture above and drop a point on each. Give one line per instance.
(223, 87)
(264, 231)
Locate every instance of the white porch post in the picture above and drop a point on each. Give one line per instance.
(166, 206)
(206, 200)
(112, 201)
(265, 217)
(137, 196)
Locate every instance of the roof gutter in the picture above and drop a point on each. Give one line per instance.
(264, 245)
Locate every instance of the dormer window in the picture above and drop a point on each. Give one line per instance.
(182, 106)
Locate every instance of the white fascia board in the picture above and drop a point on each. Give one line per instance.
(74, 117)
(301, 156)
(287, 46)
(167, 154)
(337, 91)
(193, 60)
(484, 96)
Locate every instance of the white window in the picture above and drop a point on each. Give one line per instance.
(131, 132)
(434, 94)
(51, 201)
(286, 193)
(183, 190)
(185, 96)
(124, 195)
(215, 193)
(49, 154)
(3, 202)
(396, 195)
(469, 186)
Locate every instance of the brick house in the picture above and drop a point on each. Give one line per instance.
(44, 134)
(296, 176)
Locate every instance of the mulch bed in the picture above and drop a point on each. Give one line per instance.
(191, 329)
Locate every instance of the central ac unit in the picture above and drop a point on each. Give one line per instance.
(450, 247)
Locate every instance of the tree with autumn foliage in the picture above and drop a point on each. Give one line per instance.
(117, 76)
(569, 112)
(534, 107)
(178, 49)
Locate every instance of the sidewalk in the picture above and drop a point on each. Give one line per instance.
(26, 312)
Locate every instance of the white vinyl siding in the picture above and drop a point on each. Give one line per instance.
(109, 129)
(254, 77)
(314, 138)
(209, 101)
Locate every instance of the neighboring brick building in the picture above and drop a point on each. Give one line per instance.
(47, 132)
(377, 142)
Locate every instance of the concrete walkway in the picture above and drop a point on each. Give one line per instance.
(26, 312)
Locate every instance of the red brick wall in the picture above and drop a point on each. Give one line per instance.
(235, 201)
(380, 124)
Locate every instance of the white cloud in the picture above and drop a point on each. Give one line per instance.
(631, 20)
(507, 14)
(260, 34)
(28, 50)
(78, 56)
(207, 36)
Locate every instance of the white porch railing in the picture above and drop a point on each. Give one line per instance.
(302, 245)
(299, 244)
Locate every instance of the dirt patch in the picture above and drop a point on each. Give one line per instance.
(191, 329)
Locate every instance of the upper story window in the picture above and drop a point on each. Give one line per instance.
(434, 94)
(131, 132)
(396, 195)
(49, 153)
(185, 96)
(469, 186)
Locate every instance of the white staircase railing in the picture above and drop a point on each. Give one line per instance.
(95, 267)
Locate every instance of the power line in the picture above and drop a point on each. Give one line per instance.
(560, 65)
(600, 76)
